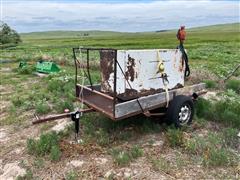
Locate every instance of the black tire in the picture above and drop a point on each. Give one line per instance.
(180, 104)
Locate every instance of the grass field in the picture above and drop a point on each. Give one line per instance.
(135, 148)
(214, 47)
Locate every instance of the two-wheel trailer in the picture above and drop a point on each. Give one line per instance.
(131, 84)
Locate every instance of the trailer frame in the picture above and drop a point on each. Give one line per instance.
(110, 105)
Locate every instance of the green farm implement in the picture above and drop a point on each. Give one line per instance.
(47, 67)
(42, 67)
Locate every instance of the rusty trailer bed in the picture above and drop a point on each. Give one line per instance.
(117, 109)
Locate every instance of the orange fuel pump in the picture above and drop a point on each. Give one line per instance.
(181, 34)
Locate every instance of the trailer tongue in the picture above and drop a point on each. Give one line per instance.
(75, 117)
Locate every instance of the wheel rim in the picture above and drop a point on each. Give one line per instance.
(184, 114)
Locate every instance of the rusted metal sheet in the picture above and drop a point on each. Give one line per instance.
(130, 69)
(96, 100)
(107, 68)
(140, 69)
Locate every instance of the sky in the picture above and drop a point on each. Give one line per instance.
(110, 15)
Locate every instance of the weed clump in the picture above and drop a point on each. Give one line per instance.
(103, 137)
(42, 108)
(203, 108)
(28, 69)
(233, 84)
(62, 86)
(226, 110)
(71, 175)
(37, 101)
(55, 153)
(27, 176)
(211, 149)
(216, 157)
(47, 144)
(210, 84)
(17, 101)
(174, 137)
(103, 131)
(60, 83)
(160, 164)
(136, 152)
(54, 85)
(123, 158)
(39, 163)
(230, 137)
(62, 105)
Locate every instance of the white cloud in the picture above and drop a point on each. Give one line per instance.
(28, 16)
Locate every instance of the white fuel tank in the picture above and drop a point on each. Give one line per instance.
(137, 72)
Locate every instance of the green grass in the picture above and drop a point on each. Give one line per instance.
(42, 108)
(71, 175)
(230, 137)
(212, 149)
(47, 144)
(39, 163)
(123, 158)
(160, 164)
(136, 152)
(54, 93)
(103, 131)
(226, 110)
(27, 176)
(174, 137)
(214, 49)
(55, 153)
(233, 84)
(207, 47)
(218, 28)
(210, 84)
(29, 69)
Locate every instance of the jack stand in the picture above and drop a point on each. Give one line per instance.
(75, 116)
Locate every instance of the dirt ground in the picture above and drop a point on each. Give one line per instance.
(95, 163)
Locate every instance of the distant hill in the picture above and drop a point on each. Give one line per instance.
(219, 27)
(83, 34)
(69, 34)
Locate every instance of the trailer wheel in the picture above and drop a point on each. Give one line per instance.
(180, 111)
